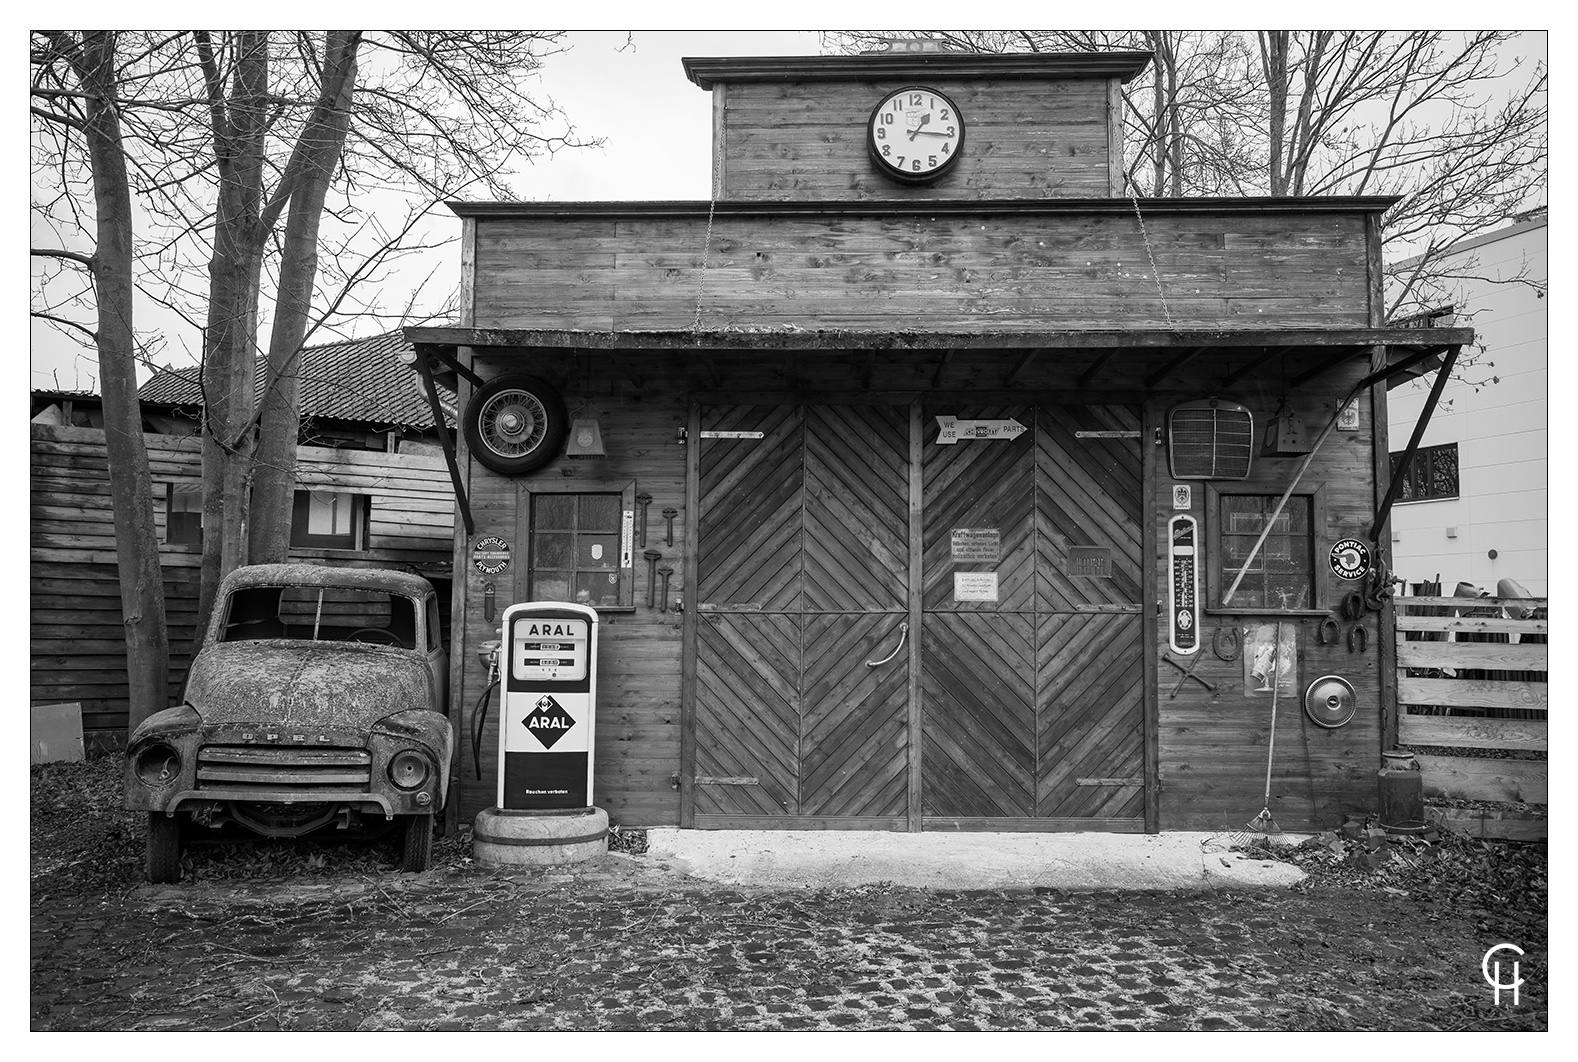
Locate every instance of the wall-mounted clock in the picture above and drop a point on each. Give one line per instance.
(915, 135)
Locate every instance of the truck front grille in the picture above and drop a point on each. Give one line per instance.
(241, 766)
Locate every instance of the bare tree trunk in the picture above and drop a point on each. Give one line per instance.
(1274, 60)
(131, 492)
(238, 119)
(1158, 112)
(317, 155)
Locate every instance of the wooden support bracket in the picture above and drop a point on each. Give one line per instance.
(1166, 370)
(1252, 364)
(1024, 363)
(445, 439)
(1095, 367)
(942, 363)
(1324, 367)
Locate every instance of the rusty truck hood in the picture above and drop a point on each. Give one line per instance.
(321, 684)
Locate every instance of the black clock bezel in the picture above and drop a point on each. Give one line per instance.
(887, 169)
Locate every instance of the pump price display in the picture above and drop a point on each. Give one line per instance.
(552, 649)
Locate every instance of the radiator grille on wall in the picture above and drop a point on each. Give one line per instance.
(1209, 440)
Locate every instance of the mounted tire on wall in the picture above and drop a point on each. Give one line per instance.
(515, 424)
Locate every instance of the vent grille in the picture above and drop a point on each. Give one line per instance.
(1210, 440)
(270, 767)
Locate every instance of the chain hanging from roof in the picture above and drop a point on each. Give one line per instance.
(1155, 273)
(706, 247)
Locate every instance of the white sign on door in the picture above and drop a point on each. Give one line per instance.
(975, 586)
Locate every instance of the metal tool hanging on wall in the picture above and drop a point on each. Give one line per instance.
(652, 556)
(643, 500)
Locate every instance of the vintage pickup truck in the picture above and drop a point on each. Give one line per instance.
(315, 704)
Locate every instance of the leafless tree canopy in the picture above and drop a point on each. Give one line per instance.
(271, 175)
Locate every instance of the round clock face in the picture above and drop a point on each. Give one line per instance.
(915, 135)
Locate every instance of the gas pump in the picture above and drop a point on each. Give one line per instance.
(547, 683)
(548, 706)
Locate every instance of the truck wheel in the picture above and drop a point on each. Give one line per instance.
(164, 848)
(417, 847)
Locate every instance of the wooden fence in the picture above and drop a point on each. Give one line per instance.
(78, 646)
(1473, 698)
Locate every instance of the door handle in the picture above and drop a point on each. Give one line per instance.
(904, 630)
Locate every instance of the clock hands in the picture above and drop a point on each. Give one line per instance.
(923, 120)
(926, 132)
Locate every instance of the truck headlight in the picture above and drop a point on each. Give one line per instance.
(408, 769)
(157, 764)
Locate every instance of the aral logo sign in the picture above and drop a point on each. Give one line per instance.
(548, 721)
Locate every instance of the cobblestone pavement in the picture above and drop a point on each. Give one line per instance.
(620, 943)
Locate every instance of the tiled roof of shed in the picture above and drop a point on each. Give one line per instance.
(359, 380)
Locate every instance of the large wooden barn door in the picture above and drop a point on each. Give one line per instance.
(802, 577)
(1032, 659)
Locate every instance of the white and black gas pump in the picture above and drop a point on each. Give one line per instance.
(549, 698)
(547, 731)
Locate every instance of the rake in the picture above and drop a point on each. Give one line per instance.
(1264, 823)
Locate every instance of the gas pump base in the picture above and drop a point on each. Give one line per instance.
(501, 837)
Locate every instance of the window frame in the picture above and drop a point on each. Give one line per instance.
(1217, 574)
(626, 491)
(1410, 474)
(355, 541)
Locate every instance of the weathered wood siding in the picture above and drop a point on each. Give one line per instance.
(950, 270)
(807, 141)
(1212, 746)
(78, 648)
(638, 680)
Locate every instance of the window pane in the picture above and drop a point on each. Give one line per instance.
(553, 510)
(599, 512)
(596, 588)
(553, 551)
(597, 552)
(1287, 591)
(1281, 575)
(328, 514)
(550, 586)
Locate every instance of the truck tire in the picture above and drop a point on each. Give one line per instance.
(164, 848)
(416, 848)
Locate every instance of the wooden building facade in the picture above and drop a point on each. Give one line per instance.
(882, 532)
(375, 462)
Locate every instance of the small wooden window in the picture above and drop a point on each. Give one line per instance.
(580, 547)
(183, 514)
(1430, 476)
(1281, 576)
(329, 520)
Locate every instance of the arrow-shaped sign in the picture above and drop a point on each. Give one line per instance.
(952, 430)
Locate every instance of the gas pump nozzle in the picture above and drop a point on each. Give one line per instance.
(488, 653)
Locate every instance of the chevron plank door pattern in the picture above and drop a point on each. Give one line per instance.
(802, 575)
(1032, 705)
(1026, 697)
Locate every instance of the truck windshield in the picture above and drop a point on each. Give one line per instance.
(320, 614)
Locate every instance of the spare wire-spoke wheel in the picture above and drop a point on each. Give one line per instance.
(515, 424)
